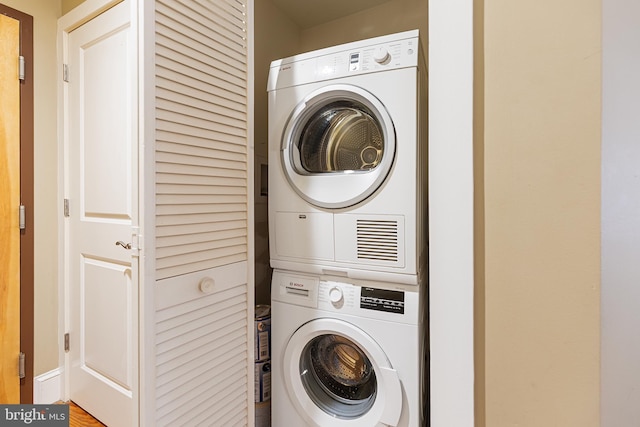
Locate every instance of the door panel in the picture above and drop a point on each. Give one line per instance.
(107, 139)
(107, 345)
(102, 183)
(9, 202)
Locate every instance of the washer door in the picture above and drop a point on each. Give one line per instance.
(338, 146)
(337, 375)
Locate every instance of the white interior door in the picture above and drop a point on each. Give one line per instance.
(102, 190)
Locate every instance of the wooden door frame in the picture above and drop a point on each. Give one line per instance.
(26, 198)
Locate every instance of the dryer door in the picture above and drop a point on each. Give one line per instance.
(338, 146)
(337, 375)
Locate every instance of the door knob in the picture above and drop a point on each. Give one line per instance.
(123, 244)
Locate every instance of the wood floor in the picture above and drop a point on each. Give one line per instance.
(79, 418)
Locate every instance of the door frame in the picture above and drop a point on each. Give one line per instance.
(26, 198)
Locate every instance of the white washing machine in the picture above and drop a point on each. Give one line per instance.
(348, 159)
(347, 355)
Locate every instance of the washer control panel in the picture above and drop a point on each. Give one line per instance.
(337, 295)
(376, 301)
(360, 297)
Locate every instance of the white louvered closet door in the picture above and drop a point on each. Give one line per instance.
(203, 231)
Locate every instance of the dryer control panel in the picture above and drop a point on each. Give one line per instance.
(378, 54)
(381, 56)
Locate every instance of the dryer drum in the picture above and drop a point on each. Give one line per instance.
(341, 136)
(342, 369)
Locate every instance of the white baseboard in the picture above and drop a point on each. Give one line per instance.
(47, 388)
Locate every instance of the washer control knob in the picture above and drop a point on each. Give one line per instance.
(336, 296)
(381, 55)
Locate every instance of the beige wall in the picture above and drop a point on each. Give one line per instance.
(276, 36)
(542, 203)
(391, 17)
(45, 15)
(67, 5)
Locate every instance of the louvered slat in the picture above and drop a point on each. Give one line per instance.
(199, 249)
(201, 355)
(189, 229)
(184, 239)
(181, 116)
(194, 168)
(212, 182)
(175, 204)
(223, 141)
(186, 268)
(214, 14)
(176, 220)
(221, 40)
(178, 189)
(167, 99)
(185, 258)
(201, 110)
(172, 75)
(196, 61)
(201, 196)
(177, 144)
(189, 52)
(181, 373)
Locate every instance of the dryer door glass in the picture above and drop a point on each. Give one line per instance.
(341, 136)
(338, 146)
(338, 376)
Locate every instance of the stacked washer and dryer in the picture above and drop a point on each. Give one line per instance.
(348, 235)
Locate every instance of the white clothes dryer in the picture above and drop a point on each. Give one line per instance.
(345, 355)
(348, 159)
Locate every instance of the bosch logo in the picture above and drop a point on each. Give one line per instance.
(296, 285)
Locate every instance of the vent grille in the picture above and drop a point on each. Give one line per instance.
(377, 240)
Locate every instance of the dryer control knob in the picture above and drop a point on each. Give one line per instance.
(335, 295)
(381, 55)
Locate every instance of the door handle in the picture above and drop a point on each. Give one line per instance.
(123, 244)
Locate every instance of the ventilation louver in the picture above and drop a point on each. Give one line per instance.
(377, 240)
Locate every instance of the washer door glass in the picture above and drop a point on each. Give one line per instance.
(338, 376)
(338, 146)
(341, 136)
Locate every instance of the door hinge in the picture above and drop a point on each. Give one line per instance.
(21, 365)
(22, 217)
(66, 342)
(65, 72)
(66, 207)
(21, 67)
